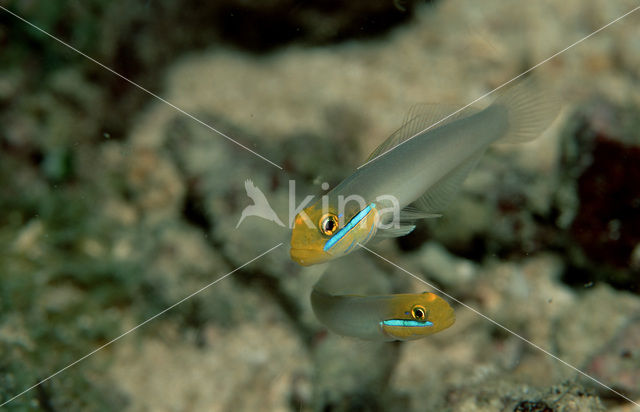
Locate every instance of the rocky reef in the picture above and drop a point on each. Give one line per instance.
(115, 206)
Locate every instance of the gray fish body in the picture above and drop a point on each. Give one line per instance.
(351, 315)
(414, 174)
(377, 317)
(410, 169)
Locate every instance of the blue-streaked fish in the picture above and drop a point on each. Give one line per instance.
(415, 172)
(406, 316)
(351, 299)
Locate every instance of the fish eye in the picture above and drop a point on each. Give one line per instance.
(419, 312)
(329, 224)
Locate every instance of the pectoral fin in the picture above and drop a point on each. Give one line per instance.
(399, 231)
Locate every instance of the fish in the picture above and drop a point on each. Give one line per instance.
(371, 313)
(403, 316)
(416, 172)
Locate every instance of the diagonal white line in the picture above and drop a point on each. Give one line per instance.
(504, 84)
(501, 326)
(139, 325)
(272, 163)
(140, 87)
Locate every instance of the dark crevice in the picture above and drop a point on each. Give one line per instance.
(194, 319)
(577, 277)
(44, 399)
(194, 210)
(415, 239)
(476, 249)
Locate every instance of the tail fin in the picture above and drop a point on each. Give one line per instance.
(531, 108)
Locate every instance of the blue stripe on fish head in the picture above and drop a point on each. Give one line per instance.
(360, 229)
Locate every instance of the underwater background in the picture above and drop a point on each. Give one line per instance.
(115, 206)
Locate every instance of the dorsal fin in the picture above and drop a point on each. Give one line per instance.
(420, 117)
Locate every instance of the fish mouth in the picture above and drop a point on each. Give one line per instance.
(406, 323)
(307, 257)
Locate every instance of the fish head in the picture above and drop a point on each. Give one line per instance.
(321, 235)
(414, 316)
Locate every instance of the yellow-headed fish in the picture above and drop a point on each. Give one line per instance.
(415, 172)
(381, 316)
(407, 316)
